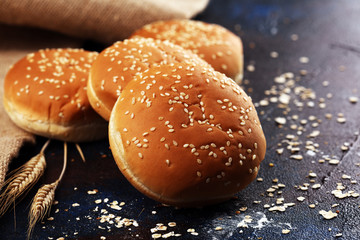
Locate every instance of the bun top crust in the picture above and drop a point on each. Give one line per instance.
(215, 44)
(47, 89)
(186, 135)
(119, 63)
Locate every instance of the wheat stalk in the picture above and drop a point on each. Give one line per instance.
(80, 152)
(44, 198)
(22, 179)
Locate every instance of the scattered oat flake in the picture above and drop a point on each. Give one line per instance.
(353, 99)
(344, 148)
(280, 79)
(75, 205)
(274, 54)
(338, 235)
(328, 214)
(314, 134)
(251, 68)
(91, 192)
(344, 176)
(116, 207)
(325, 83)
(280, 120)
(172, 224)
(312, 174)
(285, 231)
(304, 59)
(303, 72)
(243, 209)
(156, 235)
(264, 102)
(296, 157)
(277, 208)
(300, 199)
(341, 120)
(284, 98)
(334, 162)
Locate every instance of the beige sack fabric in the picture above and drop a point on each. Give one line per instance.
(105, 21)
(102, 20)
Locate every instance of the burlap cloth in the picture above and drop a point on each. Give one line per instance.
(105, 21)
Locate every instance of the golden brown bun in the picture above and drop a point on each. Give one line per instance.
(218, 46)
(188, 136)
(119, 63)
(45, 94)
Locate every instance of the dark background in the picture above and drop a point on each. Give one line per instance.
(329, 35)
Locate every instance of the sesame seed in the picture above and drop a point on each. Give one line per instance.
(140, 155)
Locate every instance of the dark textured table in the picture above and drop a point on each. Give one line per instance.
(310, 116)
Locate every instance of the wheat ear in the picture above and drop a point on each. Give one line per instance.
(44, 198)
(22, 179)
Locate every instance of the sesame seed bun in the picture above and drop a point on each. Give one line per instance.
(218, 46)
(45, 94)
(186, 135)
(119, 63)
